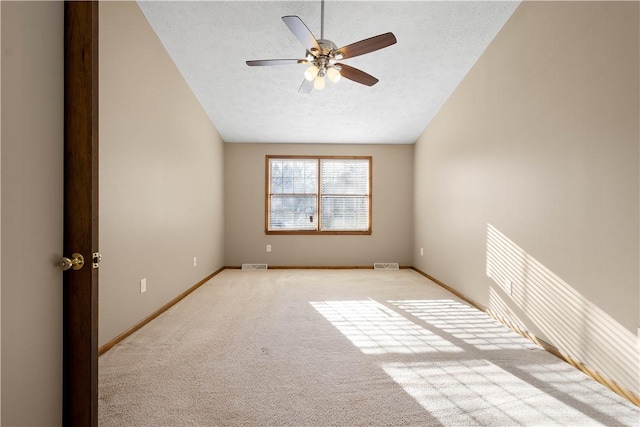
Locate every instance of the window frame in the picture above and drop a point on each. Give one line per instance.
(319, 231)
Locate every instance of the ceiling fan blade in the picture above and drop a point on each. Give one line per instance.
(260, 62)
(368, 45)
(356, 75)
(302, 32)
(306, 87)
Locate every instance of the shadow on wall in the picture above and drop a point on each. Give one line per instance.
(570, 322)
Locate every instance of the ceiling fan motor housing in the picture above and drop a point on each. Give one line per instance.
(327, 46)
(327, 56)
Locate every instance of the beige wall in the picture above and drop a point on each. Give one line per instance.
(0, 217)
(391, 217)
(161, 175)
(32, 145)
(529, 173)
(526, 182)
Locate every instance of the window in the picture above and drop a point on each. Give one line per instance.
(318, 195)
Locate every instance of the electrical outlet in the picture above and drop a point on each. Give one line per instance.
(143, 285)
(509, 285)
(195, 261)
(421, 251)
(268, 248)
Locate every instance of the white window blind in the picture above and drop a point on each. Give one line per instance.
(344, 203)
(293, 195)
(318, 194)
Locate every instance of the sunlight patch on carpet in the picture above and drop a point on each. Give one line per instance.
(477, 392)
(465, 323)
(376, 329)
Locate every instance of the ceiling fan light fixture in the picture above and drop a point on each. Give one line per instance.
(333, 74)
(311, 73)
(318, 83)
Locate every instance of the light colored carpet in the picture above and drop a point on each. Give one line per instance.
(340, 347)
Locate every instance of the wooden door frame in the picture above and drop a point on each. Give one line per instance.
(80, 295)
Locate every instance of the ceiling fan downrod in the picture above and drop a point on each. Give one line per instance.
(322, 19)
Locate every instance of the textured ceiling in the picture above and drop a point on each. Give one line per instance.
(438, 43)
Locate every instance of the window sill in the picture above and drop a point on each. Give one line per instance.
(319, 233)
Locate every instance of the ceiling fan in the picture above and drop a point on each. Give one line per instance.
(322, 55)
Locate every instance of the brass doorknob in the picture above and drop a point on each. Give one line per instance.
(76, 262)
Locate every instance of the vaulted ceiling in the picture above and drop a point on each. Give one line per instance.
(437, 44)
